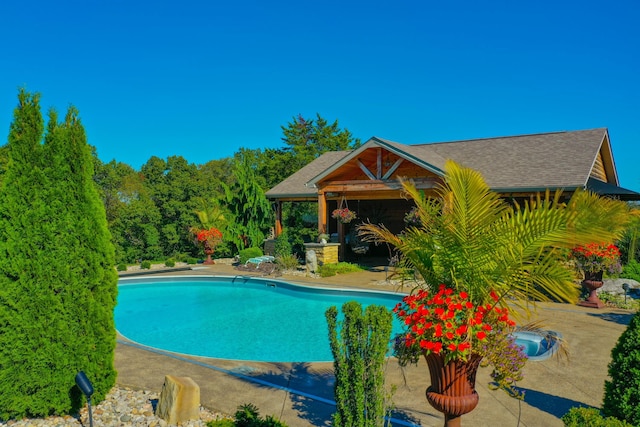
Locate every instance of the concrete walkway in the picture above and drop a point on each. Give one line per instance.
(301, 394)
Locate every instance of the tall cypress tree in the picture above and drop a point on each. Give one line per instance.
(57, 282)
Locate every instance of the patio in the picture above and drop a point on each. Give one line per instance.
(302, 392)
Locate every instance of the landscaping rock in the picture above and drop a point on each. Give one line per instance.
(614, 286)
(179, 400)
(311, 261)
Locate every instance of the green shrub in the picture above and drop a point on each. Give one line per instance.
(192, 261)
(282, 245)
(248, 416)
(631, 271)
(618, 301)
(359, 351)
(288, 262)
(622, 392)
(590, 417)
(328, 270)
(145, 265)
(170, 263)
(245, 254)
(122, 267)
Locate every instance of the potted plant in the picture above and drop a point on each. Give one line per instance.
(500, 256)
(594, 259)
(208, 239)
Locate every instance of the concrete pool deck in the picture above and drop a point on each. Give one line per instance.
(300, 394)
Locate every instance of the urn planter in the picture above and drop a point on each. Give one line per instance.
(209, 260)
(452, 389)
(592, 282)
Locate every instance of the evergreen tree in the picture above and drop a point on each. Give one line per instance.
(307, 139)
(251, 214)
(57, 283)
(622, 392)
(4, 158)
(359, 345)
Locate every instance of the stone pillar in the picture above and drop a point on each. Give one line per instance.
(270, 247)
(179, 400)
(325, 253)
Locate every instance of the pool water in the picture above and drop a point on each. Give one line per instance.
(235, 318)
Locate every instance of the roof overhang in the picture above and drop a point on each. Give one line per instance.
(610, 190)
(373, 143)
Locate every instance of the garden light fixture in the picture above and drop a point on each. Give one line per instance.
(85, 386)
(626, 288)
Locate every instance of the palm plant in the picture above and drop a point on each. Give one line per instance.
(479, 256)
(209, 213)
(471, 240)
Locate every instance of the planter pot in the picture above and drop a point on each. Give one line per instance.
(209, 260)
(452, 389)
(592, 282)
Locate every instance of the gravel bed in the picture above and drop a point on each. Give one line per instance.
(123, 407)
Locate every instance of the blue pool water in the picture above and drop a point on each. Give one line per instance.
(234, 317)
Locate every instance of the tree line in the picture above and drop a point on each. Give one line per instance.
(66, 219)
(151, 212)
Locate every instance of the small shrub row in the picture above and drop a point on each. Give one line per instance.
(248, 416)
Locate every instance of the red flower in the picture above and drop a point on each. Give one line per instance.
(448, 321)
(597, 257)
(208, 238)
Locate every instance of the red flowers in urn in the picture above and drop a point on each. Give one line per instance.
(208, 239)
(454, 334)
(595, 257)
(448, 323)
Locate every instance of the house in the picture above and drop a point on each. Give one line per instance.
(517, 167)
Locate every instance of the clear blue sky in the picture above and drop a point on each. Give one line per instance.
(201, 79)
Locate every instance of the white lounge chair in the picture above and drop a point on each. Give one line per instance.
(259, 260)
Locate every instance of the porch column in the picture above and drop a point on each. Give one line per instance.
(277, 230)
(322, 212)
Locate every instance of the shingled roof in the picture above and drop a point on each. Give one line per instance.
(295, 186)
(530, 162)
(523, 163)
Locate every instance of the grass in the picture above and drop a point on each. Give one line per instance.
(328, 270)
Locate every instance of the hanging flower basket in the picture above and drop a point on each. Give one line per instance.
(344, 215)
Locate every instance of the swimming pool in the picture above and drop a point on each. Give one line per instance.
(234, 317)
